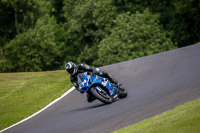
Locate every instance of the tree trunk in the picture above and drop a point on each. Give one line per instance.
(2, 55)
(16, 22)
(124, 4)
(199, 3)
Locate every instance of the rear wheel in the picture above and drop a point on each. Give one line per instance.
(101, 95)
(122, 92)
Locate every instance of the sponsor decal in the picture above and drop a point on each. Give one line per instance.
(88, 76)
(105, 83)
(115, 96)
(83, 82)
(111, 92)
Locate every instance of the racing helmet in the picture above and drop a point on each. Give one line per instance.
(70, 67)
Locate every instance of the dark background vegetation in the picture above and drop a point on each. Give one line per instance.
(39, 35)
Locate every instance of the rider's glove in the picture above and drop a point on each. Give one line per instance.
(81, 92)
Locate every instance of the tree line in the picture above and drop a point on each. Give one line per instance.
(39, 35)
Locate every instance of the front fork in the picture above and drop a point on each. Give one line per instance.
(115, 94)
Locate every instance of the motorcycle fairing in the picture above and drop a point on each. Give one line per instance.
(87, 81)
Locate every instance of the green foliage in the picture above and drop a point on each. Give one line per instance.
(104, 14)
(57, 10)
(78, 24)
(18, 16)
(39, 48)
(134, 35)
(5, 65)
(84, 30)
(88, 54)
(88, 22)
(21, 14)
(180, 17)
(187, 15)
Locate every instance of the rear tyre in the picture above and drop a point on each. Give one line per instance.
(102, 96)
(122, 92)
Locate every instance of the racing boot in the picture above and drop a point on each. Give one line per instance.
(115, 83)
(90, 98)
(118, 85)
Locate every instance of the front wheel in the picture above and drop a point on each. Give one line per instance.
(101, 95)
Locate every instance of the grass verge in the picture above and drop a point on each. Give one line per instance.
(183, 119)
(22, 94)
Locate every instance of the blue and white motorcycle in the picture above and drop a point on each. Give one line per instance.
(100, 88)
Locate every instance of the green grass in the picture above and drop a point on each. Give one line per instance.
(22, 94)
(183, 119)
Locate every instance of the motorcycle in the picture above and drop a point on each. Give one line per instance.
(100, 88)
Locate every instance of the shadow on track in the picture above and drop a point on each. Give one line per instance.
(89, 107)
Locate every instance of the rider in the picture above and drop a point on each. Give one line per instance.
(74, 70)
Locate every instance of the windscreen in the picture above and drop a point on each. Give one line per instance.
(80, 77)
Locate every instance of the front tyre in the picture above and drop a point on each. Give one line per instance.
(101, 95)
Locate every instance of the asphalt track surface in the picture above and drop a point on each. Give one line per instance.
(154, 83)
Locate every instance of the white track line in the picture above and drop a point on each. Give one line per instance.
(36, 113)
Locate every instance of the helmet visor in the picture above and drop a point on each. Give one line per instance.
(70, 71)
